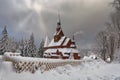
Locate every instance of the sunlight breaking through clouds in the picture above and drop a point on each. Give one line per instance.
(40, 17)
(34, 5)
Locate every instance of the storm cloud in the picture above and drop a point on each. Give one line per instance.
(23, 17)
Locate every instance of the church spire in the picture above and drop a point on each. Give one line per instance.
(59, 22)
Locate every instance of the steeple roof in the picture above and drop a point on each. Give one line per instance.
(59, 20)
(46, 41)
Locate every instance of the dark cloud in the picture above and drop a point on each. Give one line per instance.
(40, 17)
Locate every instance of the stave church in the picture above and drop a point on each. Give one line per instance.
(60, 47)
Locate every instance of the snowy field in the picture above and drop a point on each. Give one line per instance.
(88, 70)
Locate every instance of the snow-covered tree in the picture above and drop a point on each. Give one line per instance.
(4, 41)
(21, 47)
(7, 44)
(106, 41)
(32, 47)
(29, 48)
(41, 49)
(12, 45)
(26, 49)
(116, 4)
(102, 44)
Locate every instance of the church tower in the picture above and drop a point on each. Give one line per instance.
(59, 33)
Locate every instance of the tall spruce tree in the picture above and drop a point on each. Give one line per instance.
(41, 49)
(32, 47)
(29, 49)
(4, 41)
(7, 44)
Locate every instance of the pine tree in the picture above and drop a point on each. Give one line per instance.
(32, 47)
(21, 47)
(29, 49)
(7, 44)
(4, 41)
(12, 45)
(26, 49)
(41, 49)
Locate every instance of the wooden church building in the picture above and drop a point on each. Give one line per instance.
(60, 47)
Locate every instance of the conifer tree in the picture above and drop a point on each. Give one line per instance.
(29, 49)
(4, 41)
(41, 49)
(7, 44)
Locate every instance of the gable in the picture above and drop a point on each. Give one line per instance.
(53, 43)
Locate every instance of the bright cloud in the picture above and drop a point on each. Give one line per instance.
(40, 17)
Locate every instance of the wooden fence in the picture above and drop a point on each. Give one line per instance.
(20, 64)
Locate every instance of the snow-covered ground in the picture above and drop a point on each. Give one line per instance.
(88, 70)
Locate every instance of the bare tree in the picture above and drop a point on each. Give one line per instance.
(116, 4)
(111, 45)
(101, 39)
(106, 42)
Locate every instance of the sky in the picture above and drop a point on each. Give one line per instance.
(84, 18)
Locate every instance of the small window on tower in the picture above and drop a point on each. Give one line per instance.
(56, 38)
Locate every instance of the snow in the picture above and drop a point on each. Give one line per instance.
(52, 43)
(66, 55)
(57, 33)
(91, 68)
(11, 54)
(46, 41)
(51, 51)
(31, 59)
(72, 45)
(68, 50)
(66, 41)
(63, 50)
(91, 57)
(108, 60)
(54, 54)
(87, 70)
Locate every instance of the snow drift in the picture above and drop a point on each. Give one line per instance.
(88, 70)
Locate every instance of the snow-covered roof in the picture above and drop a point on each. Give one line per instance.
(66, 41)
(65, 54)
(59, 31)
(7, 53)
(72, 45)
(46, 41)
(68, 50)
(63, 50)
(52, 43)
(50, 54)
(46, 55)
(11, 53)
(51, 51)
(54, 54)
